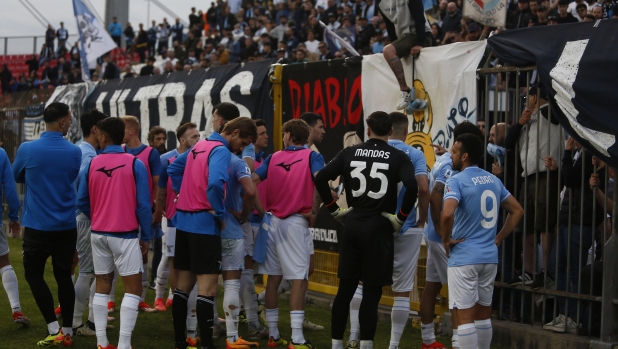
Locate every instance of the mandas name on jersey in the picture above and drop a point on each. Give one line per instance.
(373, 153)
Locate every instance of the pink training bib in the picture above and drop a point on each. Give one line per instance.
(113, 193)
(289, 185)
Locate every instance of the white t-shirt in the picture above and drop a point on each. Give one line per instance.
(312, 46)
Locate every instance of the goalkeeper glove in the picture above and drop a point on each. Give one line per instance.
(395, 222)
(340, 214)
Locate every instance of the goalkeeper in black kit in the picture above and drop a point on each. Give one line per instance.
(370, 172)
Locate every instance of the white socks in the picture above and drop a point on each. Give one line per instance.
(366, 344)
(82, 296)
(231, 308)
(99, 307)
(144, 282)
(399, 317)
(249, 298)
(484, 333)
(428, 334)
(192, 313)
(68, 331)
(337, 344)
(272, 317)
(296, 320)
(455, 339)
(93, 290)
(9, 281)
(128, 317)
(285, 286)
(354, 309)
(215, 310)
(112, 292)
(53, 327)
(163, 273)
(468, 337)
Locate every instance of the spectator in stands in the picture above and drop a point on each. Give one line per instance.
(110, 70)
(179, 51)
(141, 44)
(249, 49)
(163, 33)
(452, 21)
(474, 31)
(290, 39)
(115, 31)
(152, 39)
(193, 18)
(299, 56)
(45, 79)
(365, 32)
(211, 15)
(5, 78)
(378, 43)
(324, 52)
(129, 36)
(75, 58)
(33, 64)
(63, 35)
(191, 41)
(579, 11)
(531, 135)
(128, 72)
(267, 51)
(148, 69)
(597, 12)
(75, 48)
(177, 31)
(333, 24)
(541, 16)
(521, 17)
(50, 36)
(575, 236)
(227, 19)
(563, 14)
(278, 32)
(311, 43)
(436, 34)
(589, 18)
(63, 67)
(232, 47)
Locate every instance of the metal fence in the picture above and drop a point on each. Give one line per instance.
(30, 44)
(565, 242)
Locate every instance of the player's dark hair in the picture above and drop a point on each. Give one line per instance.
(473, 145)
(400, 122)
(311, 118)
(228, 111)
(154, 131)
(55, 111)
(467, 127)
(379, 123)
(89, 119)
(113, 128)
(299, 130)
(182, 129)
(259, 122)
(245, 125)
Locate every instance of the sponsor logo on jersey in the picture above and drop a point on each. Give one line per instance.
(109, 172)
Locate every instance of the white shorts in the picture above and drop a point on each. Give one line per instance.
(84, 246)
(170, 242)
(233, 254)
(287, 250)
(471, 284)
(311, 249)
(4, 242)
(407, 250)
(437, 263)
(249, 232)
(110, 252)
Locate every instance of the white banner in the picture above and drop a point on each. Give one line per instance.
(486, 12)
(74, 96)
(445, 78)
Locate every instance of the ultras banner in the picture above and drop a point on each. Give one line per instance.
(169, 100)
(331, 89)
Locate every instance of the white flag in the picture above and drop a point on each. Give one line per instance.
(340, 40)
(486, 12)
(94, 39)
(445, 78)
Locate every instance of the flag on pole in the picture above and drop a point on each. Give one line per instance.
(341, 41)
(486, 12)
(94, 39)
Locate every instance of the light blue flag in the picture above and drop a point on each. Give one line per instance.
(94, 39)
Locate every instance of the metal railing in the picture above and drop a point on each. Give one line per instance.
(565, 232)
(22, 44)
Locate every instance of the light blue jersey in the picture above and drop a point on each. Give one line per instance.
(88, 153)
(237, 170)
(442, 170)
(479, 194)
(420, 168)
